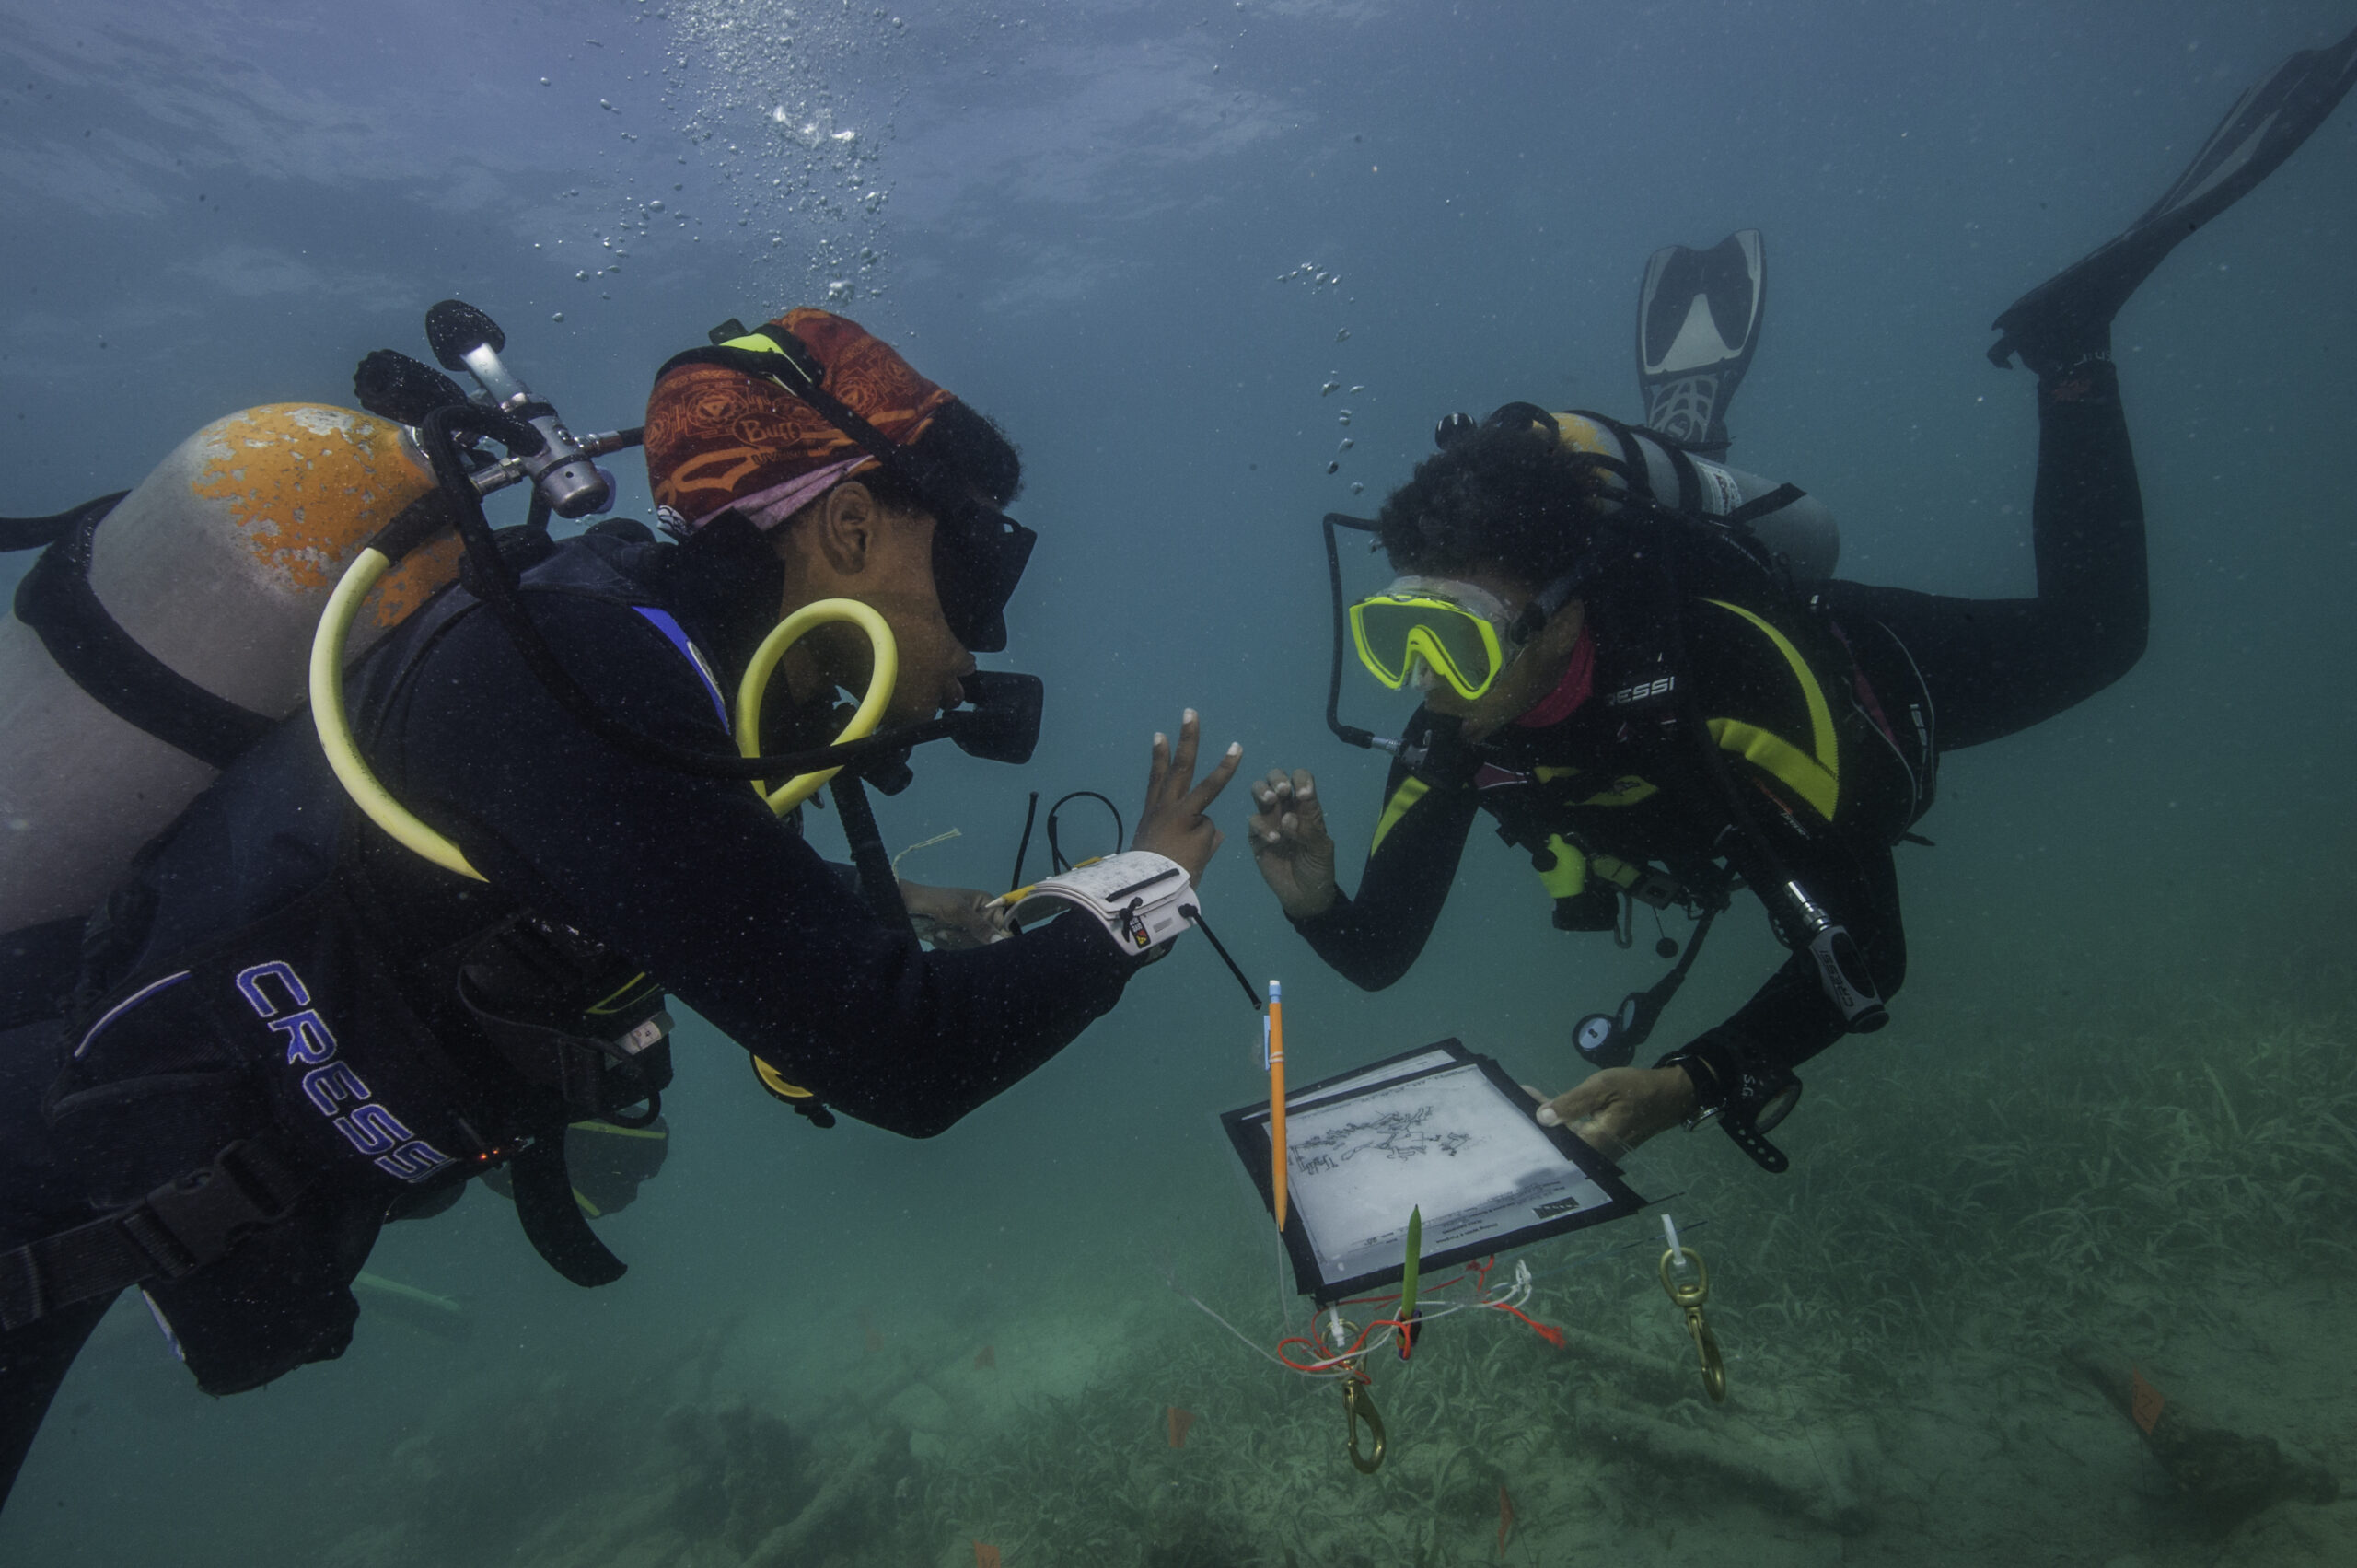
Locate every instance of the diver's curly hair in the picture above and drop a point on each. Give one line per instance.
(1508, 495)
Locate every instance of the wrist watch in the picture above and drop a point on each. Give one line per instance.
(1750, 1097)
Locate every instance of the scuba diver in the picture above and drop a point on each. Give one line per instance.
(1637, 662)
(427, 936)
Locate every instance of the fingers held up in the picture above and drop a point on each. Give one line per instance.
(1173, 821)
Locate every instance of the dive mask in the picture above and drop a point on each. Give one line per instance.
(1433, 630)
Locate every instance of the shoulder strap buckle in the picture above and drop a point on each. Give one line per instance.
(205, 1213)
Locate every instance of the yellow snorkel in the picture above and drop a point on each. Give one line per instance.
(328, 716)
(883, 651)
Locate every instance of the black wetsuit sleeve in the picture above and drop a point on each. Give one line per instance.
(1790, 1018)
(696, 879)
(1372, 939)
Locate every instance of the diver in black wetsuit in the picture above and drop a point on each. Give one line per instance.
(1645, 701)
(286, 1028)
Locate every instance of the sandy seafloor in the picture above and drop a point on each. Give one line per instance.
(1904, 1319)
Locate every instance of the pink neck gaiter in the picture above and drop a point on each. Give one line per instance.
(1579, 679)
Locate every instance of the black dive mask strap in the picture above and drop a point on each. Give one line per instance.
(980, 552)
(792, 368)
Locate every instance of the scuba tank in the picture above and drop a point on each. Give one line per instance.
(209, 575)
(1791, 524)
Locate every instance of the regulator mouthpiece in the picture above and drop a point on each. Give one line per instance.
(1002, 721)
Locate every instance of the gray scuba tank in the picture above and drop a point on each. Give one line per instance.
(1801, 529)
(217, 564)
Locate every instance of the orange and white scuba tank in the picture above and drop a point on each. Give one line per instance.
(216, 567)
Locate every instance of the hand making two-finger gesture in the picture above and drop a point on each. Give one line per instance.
(1173, 823)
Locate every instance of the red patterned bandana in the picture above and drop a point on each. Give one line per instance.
(717, 438)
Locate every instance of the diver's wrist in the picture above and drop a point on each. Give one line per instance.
(1312, 905)
(1680, 1092)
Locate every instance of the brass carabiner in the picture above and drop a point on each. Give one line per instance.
(1358, 1405)
(1688, 1296)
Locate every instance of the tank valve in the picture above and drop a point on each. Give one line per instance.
(465, 339)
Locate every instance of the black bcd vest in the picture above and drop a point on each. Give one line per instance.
(244, 990)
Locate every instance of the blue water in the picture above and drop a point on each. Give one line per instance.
(1092, 222)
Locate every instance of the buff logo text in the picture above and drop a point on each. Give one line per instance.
(281, 1000)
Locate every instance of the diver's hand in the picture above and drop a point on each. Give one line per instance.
(1290, 843)
(1172, 821)
(1614, 1110)
(952, 919)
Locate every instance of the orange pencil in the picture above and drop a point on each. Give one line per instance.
(1275, 1044)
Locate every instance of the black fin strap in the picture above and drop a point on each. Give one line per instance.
(1759, 506)
(552, 1220)
(57, 600)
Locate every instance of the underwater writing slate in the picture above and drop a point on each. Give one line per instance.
(1451, 1134)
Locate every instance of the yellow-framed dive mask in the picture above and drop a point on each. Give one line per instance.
(1433, 629)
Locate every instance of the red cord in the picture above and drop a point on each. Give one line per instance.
(1552, 1335)
(1479, 1272)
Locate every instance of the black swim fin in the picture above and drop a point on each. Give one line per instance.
(1698, 321)
(2071, 313)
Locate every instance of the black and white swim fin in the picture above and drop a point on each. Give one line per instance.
(1698, 321)
(2071, 311)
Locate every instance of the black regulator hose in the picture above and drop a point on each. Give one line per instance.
(1056, 851)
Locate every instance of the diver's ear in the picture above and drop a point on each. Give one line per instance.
(846, 528)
